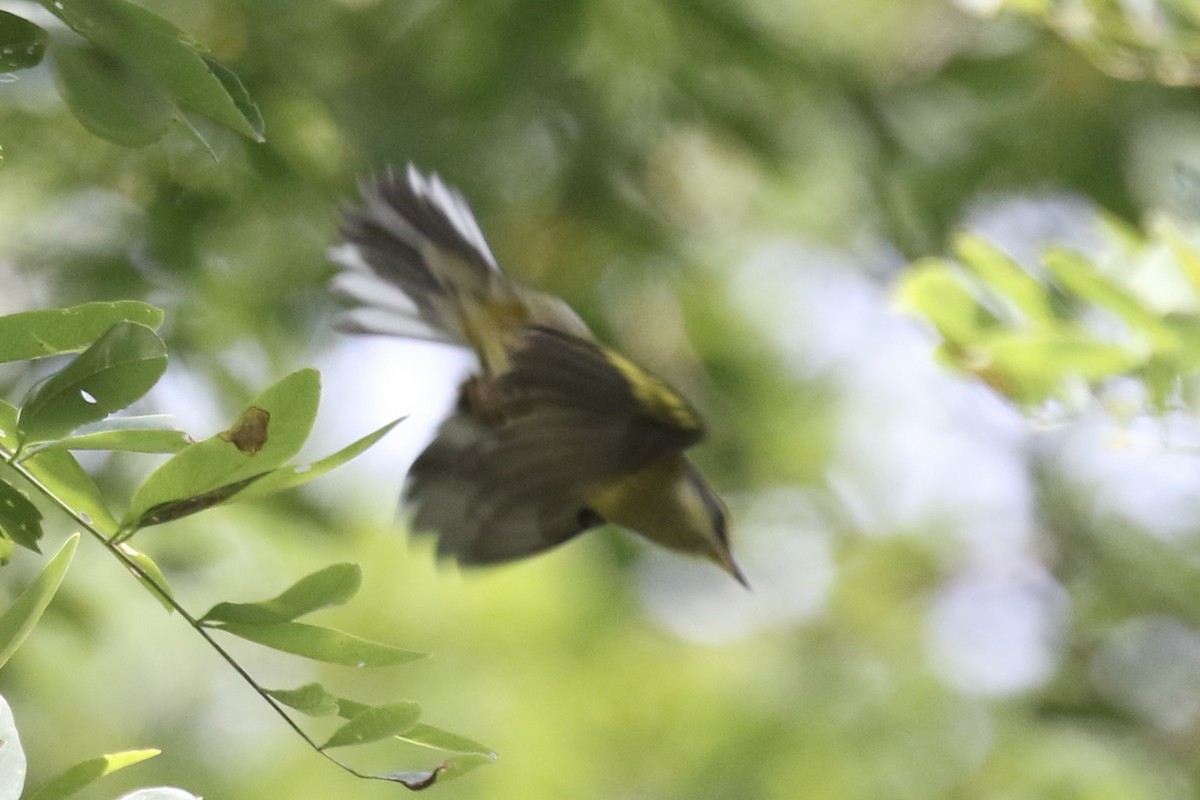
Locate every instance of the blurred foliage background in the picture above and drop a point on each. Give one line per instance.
(955, 595)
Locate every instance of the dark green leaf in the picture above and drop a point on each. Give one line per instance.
(71, 780)
(322, 644)
(18, 620)
(331, 586)
(20, 520)
(54, 331)
(311, 699)
(111, 97)
(22, 44)
(116, 370)
(289, 477)
(158, 49)
(178, 509)
(290, 406)
(375, 723)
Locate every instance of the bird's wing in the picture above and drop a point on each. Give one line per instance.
(412, 251)
(507, 476)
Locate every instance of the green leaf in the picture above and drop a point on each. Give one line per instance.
(159, 49)
(8, 427)
(185, 507)
(61, 475)
(241, 98)
(84, 773)
(54, 331)
(111, 97)
(116, 370)
(22, 44)
(321, 644)
(438, 739)
(154, 580)
(18, 620)
(257, 444)
(1007, 277)
(933, 288)
(138, 434)
(310, 699)
(289, 477)
(1039, 362)
(20, 520)
(331, 586)
(12, 756)
(375, 723)
(1078, 276)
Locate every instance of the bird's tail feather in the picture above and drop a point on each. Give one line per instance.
(413, 255)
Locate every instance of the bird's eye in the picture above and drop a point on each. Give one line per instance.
(587, 518)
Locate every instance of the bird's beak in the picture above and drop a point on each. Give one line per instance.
(725, 561)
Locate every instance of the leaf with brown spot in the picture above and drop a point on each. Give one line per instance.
(249, 433)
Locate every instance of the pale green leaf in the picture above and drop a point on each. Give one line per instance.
(375, 723)
(321, 644)
(310, 699)
(20, 617)
(331, 586)
(75, 778)
(1007, 277)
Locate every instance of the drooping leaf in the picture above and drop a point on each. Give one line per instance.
(290, 477)
(310, 699)
(120, 367)
(75, 778)
(12, 756)
(158, 49)
(22, 44)
(331, 586)
(54, 331)
(291, 406)
(20, 617)
(321, 644)
(375, 723)
(20, 520)
(112, 97)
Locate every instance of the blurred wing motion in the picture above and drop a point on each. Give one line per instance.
(511, 473)
(552, 420)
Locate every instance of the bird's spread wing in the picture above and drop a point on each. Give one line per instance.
(508, 474)
(412, 249)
